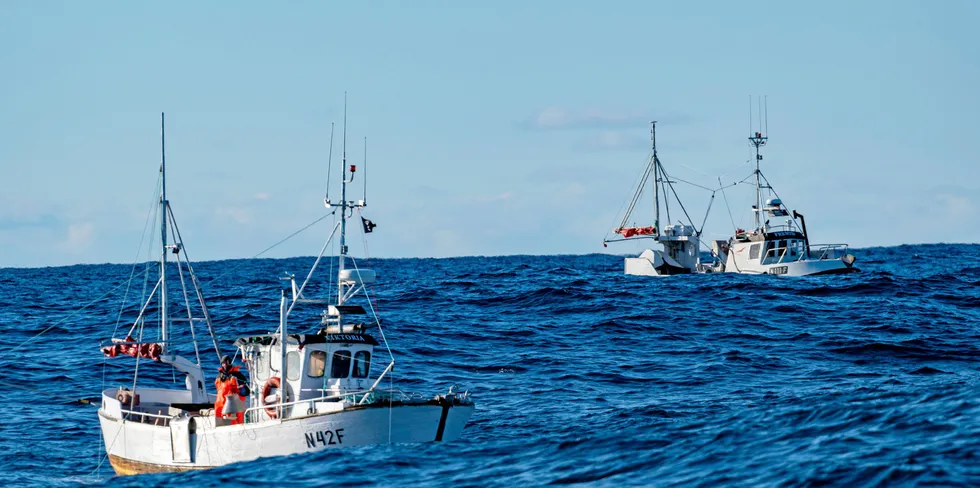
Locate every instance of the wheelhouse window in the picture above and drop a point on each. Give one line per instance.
(362, 364)
(262, 365)
(340, 365)
(275, 359)
(754, 251)
(292, 365)
(316, 363)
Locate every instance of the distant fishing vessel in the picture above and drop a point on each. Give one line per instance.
(308, 391)
(779, 244)
(680, 241)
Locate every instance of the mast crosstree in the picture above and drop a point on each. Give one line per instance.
(757, 140)
(344, 205)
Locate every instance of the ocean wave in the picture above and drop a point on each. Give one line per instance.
(582, 375)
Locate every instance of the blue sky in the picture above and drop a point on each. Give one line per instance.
(504, 128)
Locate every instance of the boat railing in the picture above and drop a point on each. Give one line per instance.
(351, 396)
(780, 228)
(162, 417)
(781, 252)
(827, 251)
(145, 417)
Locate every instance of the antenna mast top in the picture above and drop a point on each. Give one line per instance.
(344, 206)
(655, 164)
(758, 139)
(653, 135)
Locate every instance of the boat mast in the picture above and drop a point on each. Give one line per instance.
(656, 175)
(343, 210)
(164, 326)
(758, 140)
(344, 206)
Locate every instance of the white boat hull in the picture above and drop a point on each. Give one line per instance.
(135, 447)
(793, 268)
(654, 263)
(783, 254)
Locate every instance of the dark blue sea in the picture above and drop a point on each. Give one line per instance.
(581, 375)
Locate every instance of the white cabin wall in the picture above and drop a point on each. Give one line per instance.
(740, 260)
(304, 386)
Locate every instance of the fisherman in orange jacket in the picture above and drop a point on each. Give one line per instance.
(230, 381)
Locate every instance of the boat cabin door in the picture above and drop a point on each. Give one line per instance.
(265, 365)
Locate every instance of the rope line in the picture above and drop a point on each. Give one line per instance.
(132, 272)
(642, 184)
(290, 236)
(52, 326)
(679, 202)
(706, 212)
(728, 206)
(367, 261)
(693, 184)
(117, 287)
(641, 181)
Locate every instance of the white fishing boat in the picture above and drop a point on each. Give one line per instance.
(779, 244)
(680, 240)
(309, 390)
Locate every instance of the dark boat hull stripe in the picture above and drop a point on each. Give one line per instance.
(442, 421)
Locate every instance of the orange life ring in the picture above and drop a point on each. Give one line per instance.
(273, 382)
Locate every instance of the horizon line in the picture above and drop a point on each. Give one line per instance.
(462, 256)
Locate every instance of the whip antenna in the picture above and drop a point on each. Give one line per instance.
(344, 155)
(767, 114)
(329, 164)
(759, 113)
(364, 196)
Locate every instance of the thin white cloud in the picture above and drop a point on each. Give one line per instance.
(956, 204)
(238, 214)
(613, 140)
(262, 196)
(573, 191)
(18, 214)
(556, 118)
(80, 237)
(478, 199)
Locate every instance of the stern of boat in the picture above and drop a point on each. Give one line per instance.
(145, 432)
(654, 263)
(456, 418)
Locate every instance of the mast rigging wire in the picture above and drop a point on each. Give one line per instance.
(195, 282)
(117, 287)
(676, 179)
(706, 212)
(641, 184)
(727, 205)
(132, 272)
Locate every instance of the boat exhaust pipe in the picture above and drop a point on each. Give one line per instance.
(848, 259)
(806, 237)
